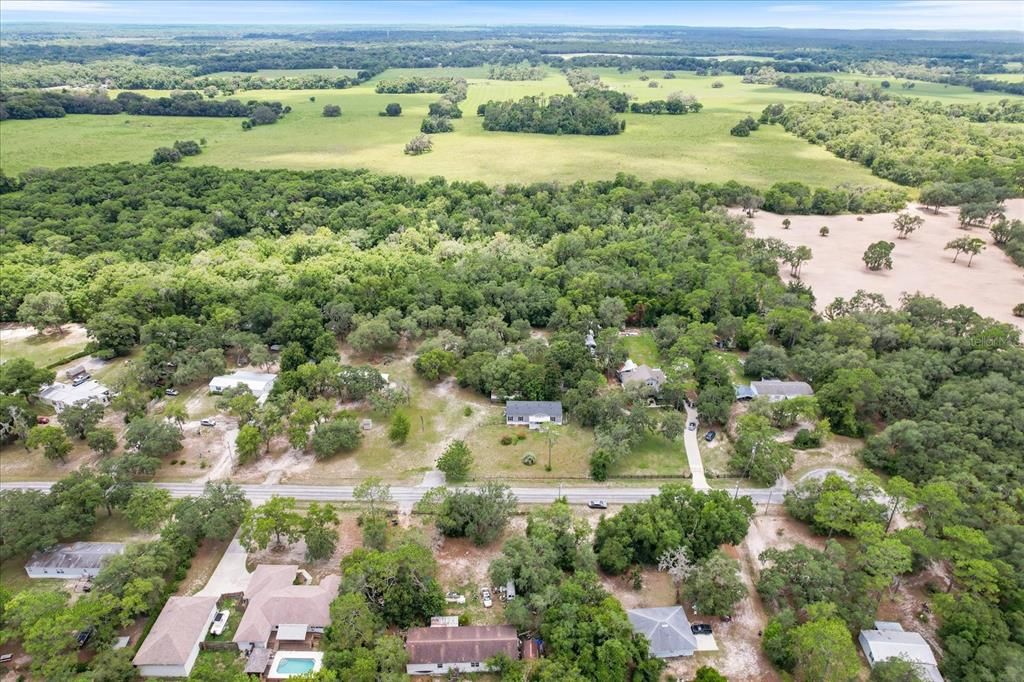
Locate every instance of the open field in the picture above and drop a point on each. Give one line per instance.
(694, 146)
(992, 285)
(20, 341)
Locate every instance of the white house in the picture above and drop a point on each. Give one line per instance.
(667, 630)
(774, 390)
(889, 641)
(260, 383)
(72, 562)
(60, 395)
(533, 413)
(172, 645)
(435, 651)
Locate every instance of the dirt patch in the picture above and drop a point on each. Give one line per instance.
(908, 605)
(203, 565)
(349, 538)
(992, 285)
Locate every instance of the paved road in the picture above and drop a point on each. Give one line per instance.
(411, 494)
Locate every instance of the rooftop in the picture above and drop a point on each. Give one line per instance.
(274, 600)
(67, 394)
(181, 624)
(786, 388)
(528, 408)
(643, 374)
(666, 628)
(890, 640)
(470, 644)
(76, 555)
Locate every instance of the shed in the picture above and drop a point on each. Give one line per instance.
(666, 628)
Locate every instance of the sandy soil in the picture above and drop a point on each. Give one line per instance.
(72, 333)
(349, 538)
(992, 285)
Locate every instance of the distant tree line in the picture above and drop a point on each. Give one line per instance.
(676, 103)
(416, 84)
(524, 71)
(54, 104)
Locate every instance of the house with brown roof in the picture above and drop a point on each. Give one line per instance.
(436, 651)
(275, 607)
(172, 645)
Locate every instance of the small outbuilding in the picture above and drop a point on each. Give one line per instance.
(533, 413)
(72, 562)
(666, 628)
(436, 651)
(890, 641)
(172, 645)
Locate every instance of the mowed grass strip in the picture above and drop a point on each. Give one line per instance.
(694, 146)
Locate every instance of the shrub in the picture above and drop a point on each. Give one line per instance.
(187, 147)
(520, 435)
(436, 124)
(529, 459)
(392, 109)
(1018, 310)
(421, 144)
(718, 84)
(507, 440)
(332, 110)
(806, 439)
(163, 155)
(467, 411)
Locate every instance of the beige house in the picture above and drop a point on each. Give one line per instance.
(275, 607)
(172, 645)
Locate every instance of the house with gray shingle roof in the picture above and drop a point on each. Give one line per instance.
(172, 645)
(533, 413)
(666, 628)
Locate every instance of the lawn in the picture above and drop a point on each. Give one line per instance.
(642, 349)
(570, 452)
(654, 456)
(947, 94)
(695, 146)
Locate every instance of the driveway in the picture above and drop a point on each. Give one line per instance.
(231, 575)
(699, 482)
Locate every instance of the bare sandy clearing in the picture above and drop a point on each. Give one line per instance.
(992, 285)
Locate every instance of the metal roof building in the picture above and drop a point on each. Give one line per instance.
(890, 641)
(77, 560)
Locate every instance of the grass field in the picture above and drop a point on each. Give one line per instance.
(696, 147)
(278, 73)
(642, 349)
(947, 94)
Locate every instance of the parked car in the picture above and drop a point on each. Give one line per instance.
(220, 621)
(700, 629)
(709, 436)
(597, 504)
(454, 598)
(692, 426)
(6, 658)
(42, 420)
(486, 598)
(80, 379)
(171, 392)
(84, 636)
(207, 422)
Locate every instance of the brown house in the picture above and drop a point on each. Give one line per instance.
(435, 651)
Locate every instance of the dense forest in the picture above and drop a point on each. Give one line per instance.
(910, 143)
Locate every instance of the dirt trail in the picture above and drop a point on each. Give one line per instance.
(222, 468)
(446, 391)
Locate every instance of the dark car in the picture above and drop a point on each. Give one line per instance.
(709, 436)
(84, 636)
(700, 629)
(42, 420)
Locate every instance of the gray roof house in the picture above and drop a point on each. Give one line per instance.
(74, 561)
(774, 390)
(890, 641)
(651, 377)
(59, 395)
(666, 628)
(533, 413)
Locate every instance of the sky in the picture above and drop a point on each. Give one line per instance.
(842, 14)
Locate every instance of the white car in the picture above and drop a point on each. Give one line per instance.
(220, 621)
(486, 598)
(454, 598)
(207, 422)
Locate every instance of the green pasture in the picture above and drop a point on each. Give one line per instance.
(694, 146)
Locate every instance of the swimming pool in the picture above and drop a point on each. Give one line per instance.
(288, 663)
